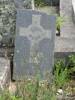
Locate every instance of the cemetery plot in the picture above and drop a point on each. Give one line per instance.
(34, 44)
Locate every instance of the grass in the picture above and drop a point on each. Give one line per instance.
(60, 74)
(31, 90)
(36, 89)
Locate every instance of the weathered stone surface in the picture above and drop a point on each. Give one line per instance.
(64, 47)
(7, 22)
(5, 75)
(68, 27)
(34, 44)
(27, 4)
(64, 44)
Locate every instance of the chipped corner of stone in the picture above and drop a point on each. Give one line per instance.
(5, 74)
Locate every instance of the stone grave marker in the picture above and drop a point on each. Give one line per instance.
(23, 4)
(34, 44)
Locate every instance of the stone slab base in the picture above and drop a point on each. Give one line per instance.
(5, 75)
(64, 47)
(64, 44)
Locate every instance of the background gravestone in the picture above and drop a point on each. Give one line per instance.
(34, 44)
(27, 4)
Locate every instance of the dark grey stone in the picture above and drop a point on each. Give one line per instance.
(52, 2)
(34, 44)
(23, 4)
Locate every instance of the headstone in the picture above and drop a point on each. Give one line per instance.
(34, 44)
(21, 4)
